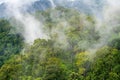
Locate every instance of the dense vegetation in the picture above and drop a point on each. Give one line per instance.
(10, 44)
(64, 56)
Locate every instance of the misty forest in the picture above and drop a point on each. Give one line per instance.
(59, 40)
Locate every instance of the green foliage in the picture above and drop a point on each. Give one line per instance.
(55, 70)
(104, 65)
(11, 70)
(115, 43)
(64, 56)
(9, 43)
(74, 76)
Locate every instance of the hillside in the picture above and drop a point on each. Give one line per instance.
(74, 49)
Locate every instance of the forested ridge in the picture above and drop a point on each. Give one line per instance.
(67, 55)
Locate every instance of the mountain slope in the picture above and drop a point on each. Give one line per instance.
(86, 6)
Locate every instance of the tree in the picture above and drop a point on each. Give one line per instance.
(55, 70)
(10, 44)
(105, 65)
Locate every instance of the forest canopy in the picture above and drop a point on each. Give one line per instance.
(67, 55)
